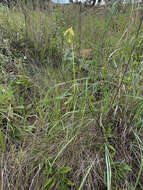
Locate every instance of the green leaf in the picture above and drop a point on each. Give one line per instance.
(49, 184)
(65, 170)
(68, 182)
(2, 144)
(108, 168)
(111, 148)
(69, 100)
(63, 187)
(29, 128)
(128, 168)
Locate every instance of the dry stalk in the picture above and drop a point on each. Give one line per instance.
(133, 18)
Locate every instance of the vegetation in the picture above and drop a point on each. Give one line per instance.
(71, 121)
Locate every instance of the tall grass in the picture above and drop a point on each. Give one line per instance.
(69, 121)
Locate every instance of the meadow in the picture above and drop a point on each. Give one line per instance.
(71, 104)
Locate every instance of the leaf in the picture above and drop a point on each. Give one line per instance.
(29, 128)
(68, 182)
(2, 140)
(49, 184)
(111, 148)
(108, 168)
(127, 167)
(65, 170)
(20, 107)
(85, 177)
(69, 100)
(63, 187)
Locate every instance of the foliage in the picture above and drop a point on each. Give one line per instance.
(68, 120)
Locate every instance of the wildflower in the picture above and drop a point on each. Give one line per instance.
(70, 35)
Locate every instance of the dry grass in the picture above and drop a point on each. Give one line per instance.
(64, 126)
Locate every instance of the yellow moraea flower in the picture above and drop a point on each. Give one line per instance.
(70, 35)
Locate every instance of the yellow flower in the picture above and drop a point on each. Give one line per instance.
(70, 35)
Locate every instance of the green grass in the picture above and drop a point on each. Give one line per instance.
(68, 122)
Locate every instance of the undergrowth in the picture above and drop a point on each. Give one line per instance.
(68, 121)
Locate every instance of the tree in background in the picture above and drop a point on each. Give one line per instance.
(34, 3)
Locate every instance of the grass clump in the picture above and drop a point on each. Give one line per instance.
(69, 121)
